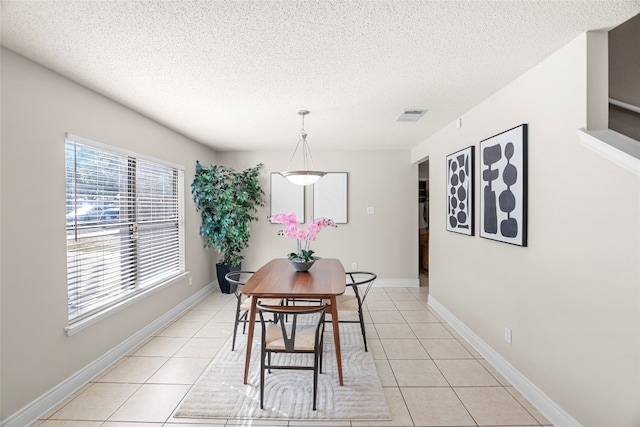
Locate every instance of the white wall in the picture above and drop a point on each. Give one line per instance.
(38, 107)
(385, 242)
(572, 297)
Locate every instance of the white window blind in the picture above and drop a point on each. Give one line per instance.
(124, 225)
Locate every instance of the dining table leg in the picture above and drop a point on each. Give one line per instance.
(336, 336)
(251, 319)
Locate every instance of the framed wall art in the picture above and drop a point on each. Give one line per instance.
(460, 188)
(286, 197)
(503, 186)
(330, 197)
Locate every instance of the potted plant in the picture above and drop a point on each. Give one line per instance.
(303, 258)
(228, 201)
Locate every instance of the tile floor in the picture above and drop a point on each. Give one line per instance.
(430, 376)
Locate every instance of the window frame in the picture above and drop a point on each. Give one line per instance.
(81, 321)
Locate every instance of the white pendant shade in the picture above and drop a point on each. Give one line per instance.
(303, 176)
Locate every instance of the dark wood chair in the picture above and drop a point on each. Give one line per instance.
(360, 282)
(301, 333)
(236, 280)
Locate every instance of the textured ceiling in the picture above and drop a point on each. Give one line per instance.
(233, 74)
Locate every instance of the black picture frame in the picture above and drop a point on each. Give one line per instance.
(460, 191)
(503, 186)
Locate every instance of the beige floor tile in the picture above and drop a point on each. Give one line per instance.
(193, 422)
(404, 349)
(528, 406)
(419, 316)
(161, 346)
(378, 305)
(378, 294)
(409, 305)
(422, 292)
(68, 423)
(417, 373)
(467, 373)
(65, 401)
(502, 380)
(151, 403)
(471, 350)
(97, 403)
(195, 315)
(452, 331)
(400, 293)
(376, 349)
(394, 330)
(180, 370)
(386, 316)
(133, 369)
(445, 349)
(199, 315)
(371, 331)
(214, 329)
(201, 347)
(224, 316)
(145, 388)
(430, 330)
(436, 314)
(131, 424)
(493, 406)
(436, 406)
(180, 329)
(397, 408)
(387, 379)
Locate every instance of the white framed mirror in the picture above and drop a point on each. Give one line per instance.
(330, 196)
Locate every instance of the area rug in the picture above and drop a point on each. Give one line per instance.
(220, 392)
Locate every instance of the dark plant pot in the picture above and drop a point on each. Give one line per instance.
(302, 266)
(221, 271)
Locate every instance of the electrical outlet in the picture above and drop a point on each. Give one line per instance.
(190, 280)
(507, 335)
(354, 265)
(371, 210)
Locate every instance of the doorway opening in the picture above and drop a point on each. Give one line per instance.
(423, 222)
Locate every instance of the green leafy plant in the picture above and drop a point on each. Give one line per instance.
(228, 201)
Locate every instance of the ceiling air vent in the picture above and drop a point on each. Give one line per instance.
(410, 115)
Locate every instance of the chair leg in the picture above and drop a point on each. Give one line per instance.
(235, 326)
(364, 334)
(262, 356)
(316, 361)
(244, 321)
(321, 352)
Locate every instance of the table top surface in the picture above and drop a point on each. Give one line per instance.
(277, 278)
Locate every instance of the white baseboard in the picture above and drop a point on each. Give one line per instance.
(34, 410)
(547, 407)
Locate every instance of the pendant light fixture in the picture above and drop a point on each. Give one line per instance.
(304, 176)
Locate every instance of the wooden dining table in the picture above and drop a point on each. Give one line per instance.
(277, 279)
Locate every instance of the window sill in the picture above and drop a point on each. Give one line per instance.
(91, 320)
(614, 146)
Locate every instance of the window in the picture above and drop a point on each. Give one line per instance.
(125, 229)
